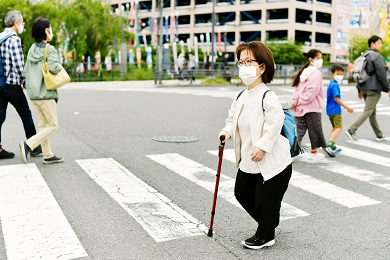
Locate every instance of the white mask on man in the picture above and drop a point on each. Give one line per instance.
(20, 28)
(317, 63)
(248, 74)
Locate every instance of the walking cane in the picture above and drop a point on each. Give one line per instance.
(220, 154)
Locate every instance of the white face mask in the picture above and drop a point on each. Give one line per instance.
(338, 78)
(20, 28)
(317, 63)
(248, 74)
(50, 36)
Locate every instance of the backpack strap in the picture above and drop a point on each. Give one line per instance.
(239, 94)
(262, 101)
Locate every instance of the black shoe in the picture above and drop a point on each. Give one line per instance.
(6, 155)
(24, 151)
(53, 159)
(37, 152)
(256, 242)
(351, 135)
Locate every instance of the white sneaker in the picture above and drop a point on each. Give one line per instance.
(315, 156)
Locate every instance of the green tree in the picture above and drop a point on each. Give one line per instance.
(286, 53)
(359, 44)
(88, 24)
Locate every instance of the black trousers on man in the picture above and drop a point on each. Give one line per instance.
(262, 200)
(14, 94)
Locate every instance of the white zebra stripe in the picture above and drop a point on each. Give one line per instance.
(205, 177)
(364, 156)
(382, 146)
(320, 188)
(158, 215)
(33, 224)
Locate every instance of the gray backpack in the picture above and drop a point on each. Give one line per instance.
(359, 73)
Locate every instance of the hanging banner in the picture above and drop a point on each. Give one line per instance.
(132, 14)
(149, 60)
(144, 39)
(196, 48)
(182, 48)
(166, 29)
(189, 45)
(173, 32)
(174, 53)
(155, 31)
(219, 39)
(131, 56)
(139, 57)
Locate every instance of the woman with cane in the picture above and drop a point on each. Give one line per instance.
(262, 153)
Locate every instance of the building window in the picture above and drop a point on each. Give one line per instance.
(303, 37)
(183, 20)
(183, 2)
(251, 17)
(277, 16)
(277, 35)
(226, 18)
(323, 19)
(324, 2)
(303, 16)
(250, 36)
(203, 20)
(322, 39)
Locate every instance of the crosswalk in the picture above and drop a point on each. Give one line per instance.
(28, 207)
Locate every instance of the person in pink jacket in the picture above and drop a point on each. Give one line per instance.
(307, 103)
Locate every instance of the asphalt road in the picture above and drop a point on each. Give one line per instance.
(118, 120)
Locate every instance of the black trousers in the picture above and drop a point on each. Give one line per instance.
(262, 200)
(14, 94)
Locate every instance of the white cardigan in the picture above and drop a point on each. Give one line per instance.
(265, 130)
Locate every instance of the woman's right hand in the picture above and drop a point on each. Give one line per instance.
(226, 134)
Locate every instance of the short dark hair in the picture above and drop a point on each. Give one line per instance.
(38, 28)
(374, 39)
(336, 67)
(262, 55)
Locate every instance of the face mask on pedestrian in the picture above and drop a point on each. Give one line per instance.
(50, 35)
(20, 27)
(317, 63)
(248, 74)
(338, 78)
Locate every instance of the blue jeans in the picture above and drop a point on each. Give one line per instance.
(14, 94)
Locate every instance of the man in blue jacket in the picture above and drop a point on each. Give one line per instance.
(13, 64)
(371, 89)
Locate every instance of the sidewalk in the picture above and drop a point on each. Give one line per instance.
(168, 83)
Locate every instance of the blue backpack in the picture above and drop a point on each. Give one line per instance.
(289, 129)
(3, 78)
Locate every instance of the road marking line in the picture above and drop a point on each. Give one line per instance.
(379, 109)
(157, 214)
(320, 188)
(34, 226)
(352, 172)
(205, 177)
(378, 145)
(364, 156)
(329, 191)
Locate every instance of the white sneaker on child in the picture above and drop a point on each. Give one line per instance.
(312, 157)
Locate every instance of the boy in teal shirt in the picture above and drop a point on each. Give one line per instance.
(333, 106)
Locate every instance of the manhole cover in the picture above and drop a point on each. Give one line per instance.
(175, 139)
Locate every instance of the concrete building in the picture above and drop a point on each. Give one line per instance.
(310, 22)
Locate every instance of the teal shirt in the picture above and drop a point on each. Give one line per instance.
(36, 89)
